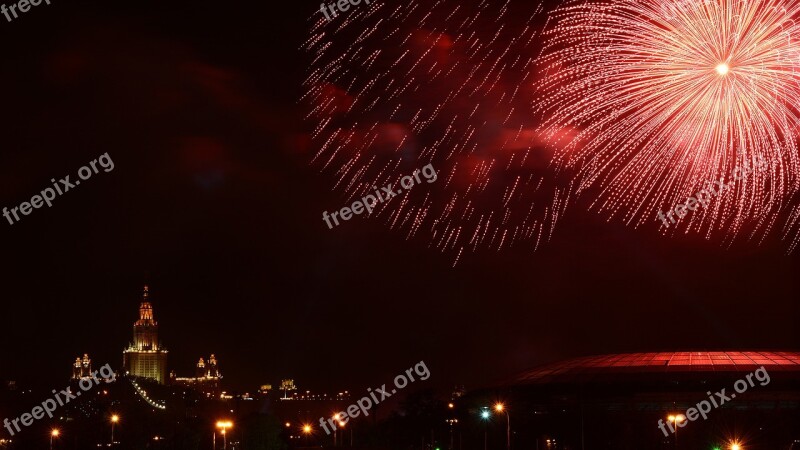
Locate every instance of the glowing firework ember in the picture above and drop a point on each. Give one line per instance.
(398, 85)
(669, 97)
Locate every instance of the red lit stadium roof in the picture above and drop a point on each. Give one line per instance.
(669, 362)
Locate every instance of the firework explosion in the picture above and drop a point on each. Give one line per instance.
(638, 104)
(670, 97)
(396, 86)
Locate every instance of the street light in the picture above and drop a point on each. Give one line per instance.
(307, 431)
(342, 425)
(114, 420)
(485, 414)
(736, 446)
(677, 419)
(499, 407)
(224, 425)
(335, 430)
(451, 422)
(337, 436)
(53, 434)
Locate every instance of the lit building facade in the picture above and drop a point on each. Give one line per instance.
(287, 386)
(82, 368)
(206, 380)
(145, 357)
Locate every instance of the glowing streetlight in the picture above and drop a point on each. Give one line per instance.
(499, 407)
(485, 414)
(53, 434)
(736, 446)
(114, 420)
(224, 425)
(676, 419)
(342, 426)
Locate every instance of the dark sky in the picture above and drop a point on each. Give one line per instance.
(214, 203)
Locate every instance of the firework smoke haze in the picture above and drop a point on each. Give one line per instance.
(398, 85)
(669, 97)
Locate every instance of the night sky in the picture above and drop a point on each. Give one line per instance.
(213, 202)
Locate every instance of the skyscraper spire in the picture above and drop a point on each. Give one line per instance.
(146, 309)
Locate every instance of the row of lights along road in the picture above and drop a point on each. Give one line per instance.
(223, 426)
(55, 432)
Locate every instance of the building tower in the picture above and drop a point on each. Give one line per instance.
(201, 369)
(286, 387)
(213, 371)
(206, 380)
(82, 368)
(145, 357)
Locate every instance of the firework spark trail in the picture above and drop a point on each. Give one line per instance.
(669, 97)
(393, 86)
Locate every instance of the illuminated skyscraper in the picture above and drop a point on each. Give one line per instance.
(145, 357)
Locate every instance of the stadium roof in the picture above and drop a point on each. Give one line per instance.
(666, 363)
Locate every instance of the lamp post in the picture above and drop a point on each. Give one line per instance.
(451, 422)
(224, 425)
(338, 434)
(114, 420)
(485, 414)
(307, 431)
(335, 432)
(499, 407)
(676, 419)
(53, 434)
(341, 436)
